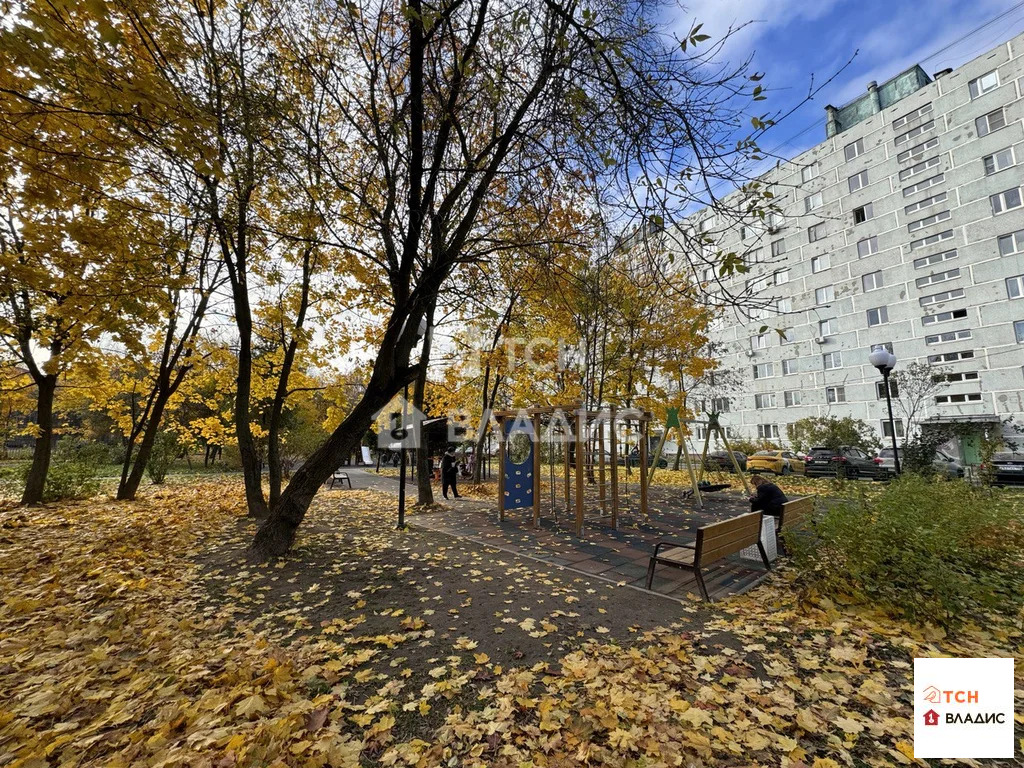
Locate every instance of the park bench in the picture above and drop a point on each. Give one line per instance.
(341, 477)
(794, 514)
(713, 542)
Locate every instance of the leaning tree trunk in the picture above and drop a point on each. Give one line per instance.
(129, 486)
(35, 483)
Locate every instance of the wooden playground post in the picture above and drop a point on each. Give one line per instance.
(614, 445)
(694, 482)
(735, 464)
(579, 474)
(704, 454)
(536, 470)
(565, 455)
(644, 423)
(600, 464)
(501, 468)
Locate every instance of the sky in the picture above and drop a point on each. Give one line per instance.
(797, 43)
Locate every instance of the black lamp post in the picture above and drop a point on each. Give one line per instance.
(420, 333)
(885, 361)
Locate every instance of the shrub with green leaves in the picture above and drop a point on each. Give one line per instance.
(941, 551)
(69, 479)
(165, 446)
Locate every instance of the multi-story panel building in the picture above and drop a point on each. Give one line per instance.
(905, 227)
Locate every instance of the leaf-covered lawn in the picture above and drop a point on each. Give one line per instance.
(133, 634)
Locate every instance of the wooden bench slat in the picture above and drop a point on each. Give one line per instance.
(678, 555)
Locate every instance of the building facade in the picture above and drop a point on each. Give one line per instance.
(905, 227)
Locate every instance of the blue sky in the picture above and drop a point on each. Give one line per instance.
(793, 41)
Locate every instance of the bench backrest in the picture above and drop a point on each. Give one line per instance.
(718, 540)
(796, 511)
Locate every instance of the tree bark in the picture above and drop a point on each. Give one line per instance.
(424, 491)
(35, 483)
(129, 486)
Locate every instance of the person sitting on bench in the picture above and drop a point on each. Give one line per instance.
(768, 497)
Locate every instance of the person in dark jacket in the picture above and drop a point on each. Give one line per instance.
(767, 498)
(449, 472)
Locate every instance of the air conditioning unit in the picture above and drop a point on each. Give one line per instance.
(821, 340)
(750, 353)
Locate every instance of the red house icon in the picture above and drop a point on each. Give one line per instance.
(931, 717)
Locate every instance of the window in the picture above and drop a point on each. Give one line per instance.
(894, 390)
(987, 82)
(854, 149)
(784, 306)
(935, 218)
(1011, 243)
(878, 316)
(816, 232)
(862, 214)
(819, 263)
(918, 149)
(753, 256)
(835, 394)
(970, 397)
(899, 122)
(937, 277)
(788, 367)
(720, 405)
(921, 167)
(953, 378)
(867, 246)
(938, 298)
(825, 295)
(999, 161)
(923, 185)
(913, 133)
(1018, 330)
(1006, 201)
(792, 397)
(944, 317)
(764, 371)
(778, 247)
(768, 431)
(1015, 287)
(764, 401)
(948, 336)
(872, 281)
(952, 357)
(760, 341)
(935, 258)
(813, 201)
(920, 205)
(993, 121)
(828, 327)
(832, 360)
(887, 428)
(931, 239)
(809, 172)
(782, 277)
(858, 181)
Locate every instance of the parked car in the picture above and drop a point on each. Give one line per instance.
(779, 462)
(943, 464)
(845, 461)
(1008, 468)
(719, 461)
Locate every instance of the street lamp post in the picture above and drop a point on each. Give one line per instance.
(420, 333)
(885, 361)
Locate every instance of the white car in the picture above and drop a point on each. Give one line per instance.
(943, 464)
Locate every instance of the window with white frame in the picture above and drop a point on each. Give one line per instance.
(858, 181)
(931, 239)
(938, 298)
(935, 258)
(872, 281)
(784, 305)
(863, 213)
(782, 277)
(835, 395)
(1018, 330)
(951, 357)
(753, 256)
(768, 431)
(927, 202)
(887, 428)
(899, 122)
(789, 367)
(764, 400)
(944, 317)
(791, 398)
(809, 172)
(935, 218)
(1006, 201)
(894, 390)
(1011, 243)
(919, 168)
(987, 82)
(937, 277)
(918, 150)
(998, 161)
(759, 341)
(923, 185)
(993, 121)
(720, 404)
(854, 149)
(828, 327)
(1015, 287)
(948, 336)
(832, 360)
(878, 316)
(955, 378)
(814, 201)
(708, 274)
(764, 371)
(913, 133)
(820, 263)
(825, 295)
(967, 397)
(867, 246)
(815, 232)
(778, 247)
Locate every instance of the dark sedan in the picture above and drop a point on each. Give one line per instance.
(719, 461)
(1007, 469)
(845, 461)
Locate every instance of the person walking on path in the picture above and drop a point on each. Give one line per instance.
(767, 498)
(449, 472)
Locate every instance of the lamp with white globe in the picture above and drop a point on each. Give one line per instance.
(885, 361)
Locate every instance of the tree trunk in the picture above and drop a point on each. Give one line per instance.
(252, 472)
(127, 489)
(424, 491)
(35, 483)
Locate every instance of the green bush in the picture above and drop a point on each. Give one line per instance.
(161, 456)
(69, 479)
(942, 551)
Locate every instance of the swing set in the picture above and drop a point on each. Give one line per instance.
(585, 445)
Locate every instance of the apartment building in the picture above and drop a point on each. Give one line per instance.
(905, 227)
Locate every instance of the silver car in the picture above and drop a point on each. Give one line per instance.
(943, 464)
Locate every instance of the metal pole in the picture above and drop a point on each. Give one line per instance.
(892, 423)
(401, 472)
